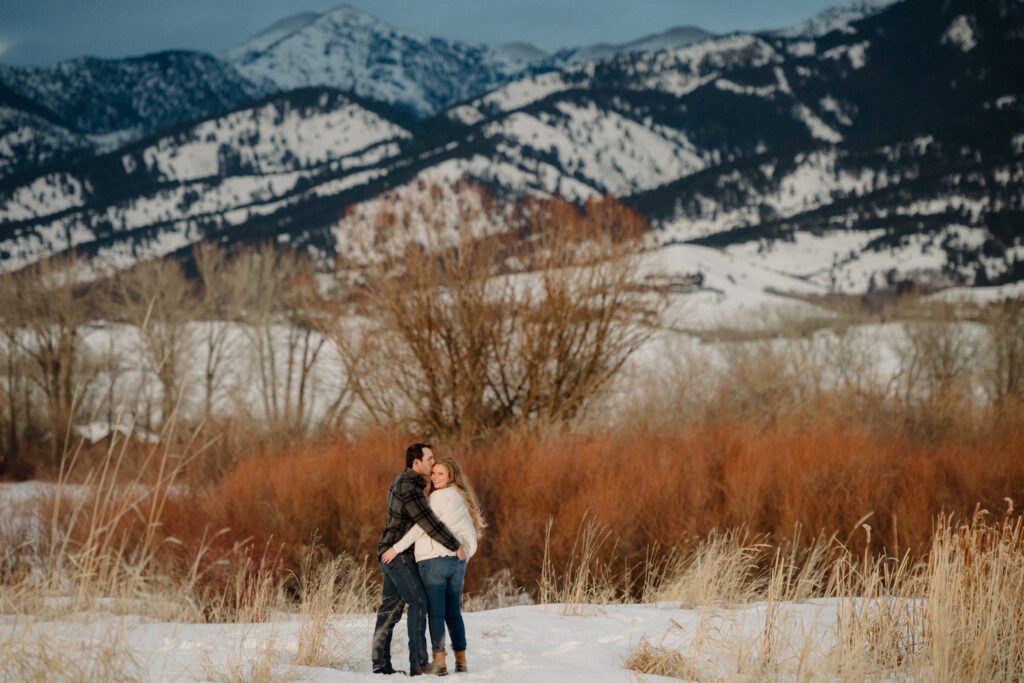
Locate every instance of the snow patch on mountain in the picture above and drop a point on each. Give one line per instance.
(961, 34)
(843, 260)
(510, 97)
(802, 48)
(618, 154)
(44, 196)
(838, 111)
(856, 53)
(271, 139)
(818, 128)
(28, 141)
(682, 71)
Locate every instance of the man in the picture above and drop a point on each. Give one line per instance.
(408, 506)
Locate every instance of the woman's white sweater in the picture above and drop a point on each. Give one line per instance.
(450, 508)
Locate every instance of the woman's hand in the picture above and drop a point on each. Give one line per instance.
(388, 556)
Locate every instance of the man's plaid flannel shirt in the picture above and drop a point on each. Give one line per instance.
(408, 506)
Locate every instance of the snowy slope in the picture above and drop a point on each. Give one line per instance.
(217, 173)
(835, 19)
(29, 142)
(273, 33)
(673, 38)
(143, 94)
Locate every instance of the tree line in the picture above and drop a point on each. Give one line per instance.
(450, 312)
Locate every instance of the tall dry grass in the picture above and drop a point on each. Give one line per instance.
(956, 614)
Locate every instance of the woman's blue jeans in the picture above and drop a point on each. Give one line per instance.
(442, 580)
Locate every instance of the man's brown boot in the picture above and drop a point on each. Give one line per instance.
(460, 661)
(439, 665)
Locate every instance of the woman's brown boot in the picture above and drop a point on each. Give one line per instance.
(440, 668)
(460, 661)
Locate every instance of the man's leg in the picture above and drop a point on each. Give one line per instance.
(391, 607)
(406, 580)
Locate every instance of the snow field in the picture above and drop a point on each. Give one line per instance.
(525, 643)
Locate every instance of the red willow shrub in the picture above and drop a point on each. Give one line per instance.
(667, 490)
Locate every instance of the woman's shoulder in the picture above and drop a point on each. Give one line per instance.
(449, 495)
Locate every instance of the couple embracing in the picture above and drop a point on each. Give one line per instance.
(423, 553)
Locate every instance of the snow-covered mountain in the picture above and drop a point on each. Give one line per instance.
(677, 37)
(348, 49)
(835, 19)
(839, 156)
(145, 94)
(84, 106)
(207, 179)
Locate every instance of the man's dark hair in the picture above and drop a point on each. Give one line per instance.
(415, 452)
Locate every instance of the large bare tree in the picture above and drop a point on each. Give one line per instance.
(466, 331)
(285, 343)
(42, 315)
(158, 299)
(224, 296)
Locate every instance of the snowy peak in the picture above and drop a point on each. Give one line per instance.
(525, 52)
(348, 49)
(677, 37)
(272, 34)
(834, 19)
(680, 36)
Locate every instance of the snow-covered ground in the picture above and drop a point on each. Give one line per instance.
(525, 643)
(520, 643)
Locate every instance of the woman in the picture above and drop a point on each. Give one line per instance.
(454, 502)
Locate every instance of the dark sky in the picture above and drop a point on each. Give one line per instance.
(41, 32)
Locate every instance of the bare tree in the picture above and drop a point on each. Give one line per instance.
(465, 333)
(285, 343)
(159, 300)
(42, 316)
(16, 415)
(1004, 346)
(224, 294)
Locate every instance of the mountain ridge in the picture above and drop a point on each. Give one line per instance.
(759, 144)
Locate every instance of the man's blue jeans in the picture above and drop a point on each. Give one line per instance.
(442, 579)
(402, 586)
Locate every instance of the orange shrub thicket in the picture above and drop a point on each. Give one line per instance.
(664, 490)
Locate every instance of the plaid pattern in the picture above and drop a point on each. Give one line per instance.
(407, 506)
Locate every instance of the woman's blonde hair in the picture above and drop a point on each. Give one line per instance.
(459, 480)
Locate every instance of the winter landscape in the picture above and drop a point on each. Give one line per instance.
(725, 326)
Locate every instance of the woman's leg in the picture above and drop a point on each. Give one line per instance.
(434, 574)
(453, 607)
